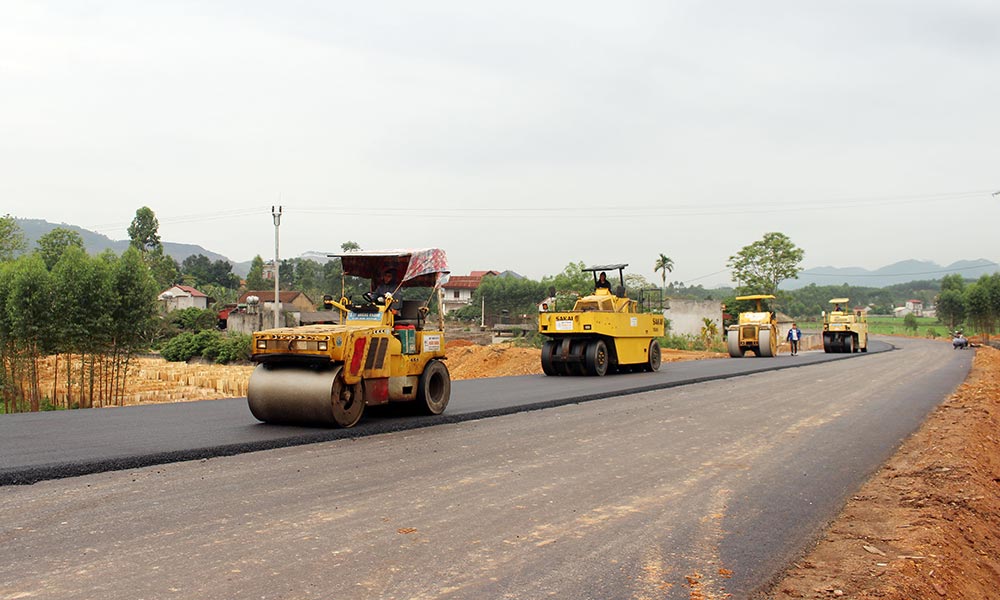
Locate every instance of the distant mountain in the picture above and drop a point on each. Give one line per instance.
(95, 243)
(900, 272)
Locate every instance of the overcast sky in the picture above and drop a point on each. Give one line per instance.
(515, 135)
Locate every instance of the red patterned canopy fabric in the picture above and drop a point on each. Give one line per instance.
(424, 267)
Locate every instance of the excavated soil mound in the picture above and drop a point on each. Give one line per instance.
(458, 343)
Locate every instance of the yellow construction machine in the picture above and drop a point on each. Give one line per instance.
(755, 331)
(379, 352)
(603, 332)
(844, 330)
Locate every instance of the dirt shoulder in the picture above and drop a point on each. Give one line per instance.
(927, 525)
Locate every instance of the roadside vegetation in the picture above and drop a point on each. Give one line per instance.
(96, 314)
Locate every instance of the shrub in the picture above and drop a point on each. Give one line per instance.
(211, 345)
(180, 348)
(194, 319)
(228, 348)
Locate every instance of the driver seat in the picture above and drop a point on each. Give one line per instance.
(409, 314)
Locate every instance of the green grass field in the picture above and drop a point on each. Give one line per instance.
(885, 325)
(926, 327)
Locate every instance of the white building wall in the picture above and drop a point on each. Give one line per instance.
(686, 316)
(452, 303)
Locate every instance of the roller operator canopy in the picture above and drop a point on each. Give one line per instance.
(606, 267)
(422, 267)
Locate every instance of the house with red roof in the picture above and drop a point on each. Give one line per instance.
(458, 291)
(182, 296)
(913, 307)
(290, 300)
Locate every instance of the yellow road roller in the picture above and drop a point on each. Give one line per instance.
(755, 331)
(605, 331)
(380, 351)
(844, 330)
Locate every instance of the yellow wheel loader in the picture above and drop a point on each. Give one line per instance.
(603, 332)
(755, 331)
(380, 351)
(844, 330)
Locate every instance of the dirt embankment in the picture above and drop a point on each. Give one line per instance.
(927, 525)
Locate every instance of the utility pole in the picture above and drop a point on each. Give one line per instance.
(277, 298)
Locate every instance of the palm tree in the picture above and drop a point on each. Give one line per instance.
(664, 264)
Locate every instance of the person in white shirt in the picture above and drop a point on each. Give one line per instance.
(794, 335)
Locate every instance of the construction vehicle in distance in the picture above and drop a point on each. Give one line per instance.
(755, 331)
(603, 332)
(843, 330)
(378, 352)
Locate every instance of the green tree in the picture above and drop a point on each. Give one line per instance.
(82, 288)
(517, 296)
(664, 264)
(308, 276)
(53, 244)
(11, 238)
(953, 282)
(219, 296)
(144, 231)
(951, 307)
(30, 309)
(761, 266)
(350, 246)
(164, 268)
(573, 279)
(194, 319)
(255, 278)
(9, 356)
(199, 270)
(133, 315)
(334, 282)
(978, 306)
(199, 267)
(910, 323)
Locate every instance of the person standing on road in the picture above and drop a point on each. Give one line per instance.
(794, 335)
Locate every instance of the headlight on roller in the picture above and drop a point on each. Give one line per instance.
(262, 344)
(321, 346)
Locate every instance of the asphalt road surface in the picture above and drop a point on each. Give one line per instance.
(39, 446)
(689, 491)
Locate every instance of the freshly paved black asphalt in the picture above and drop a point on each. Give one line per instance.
(40, 446)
